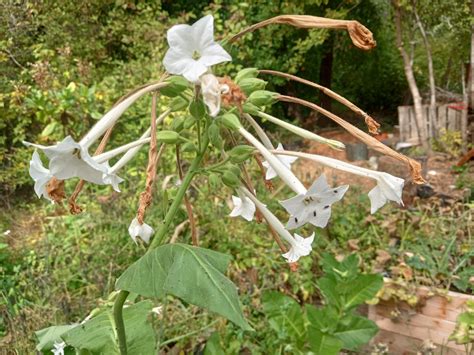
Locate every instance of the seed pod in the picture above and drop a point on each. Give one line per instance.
(168, 137)
(234, 169)
(230, 179)
(178, 104)
(178, 124)
(214, 180)
(214, 135)
(262, 98)
(177, 84)
(245, 73)
(240, 153)
(249, 108)
(250, 85)
(189, 122)
(230, 121)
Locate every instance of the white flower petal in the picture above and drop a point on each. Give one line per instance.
(301, 247)
(284, 159)
(40, 175)
(193, 71)
(203, 31)
(211, 93)
(176, 62)
(58, 348)
(181, 37)
(377, 199)
(243, 207)
(214, 54)
(144, 231)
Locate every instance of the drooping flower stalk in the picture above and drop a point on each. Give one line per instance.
(299, 246)
(301, 131)
(360, 35)
(415, 167)
(114, 114)
(388, 187)
(371, 123)
(132, 152)
(283, 172)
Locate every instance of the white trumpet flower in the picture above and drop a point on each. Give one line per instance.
(301, 131)
(389, 187)
(299, 246)
(314, 206)
(283, 172)
(144, 231)
(243, 206)
(286, 161)
(193, 49)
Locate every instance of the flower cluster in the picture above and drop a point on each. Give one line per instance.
(216, 107)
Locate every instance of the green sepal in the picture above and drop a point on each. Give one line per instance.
(249, 85)
(178, 104)
(177, 84)
(230, 120)
(245, 74)
(240, 153)
(262, 98)
(197, 109)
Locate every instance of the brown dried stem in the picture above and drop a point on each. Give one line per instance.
(153, 158)
(360, 35)
(415, 167)
(370, 122)
(189, 208)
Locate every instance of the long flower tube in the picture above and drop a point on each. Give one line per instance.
(302, 132)
(114, 114)
(102, 158)
(415, 166)
(283, 172)
(260, 132)
(132, 152)
(299, 246)
(388, 187)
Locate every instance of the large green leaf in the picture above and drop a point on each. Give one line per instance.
(363, 288)
(213, 345)
(97, 335)
(193, 274)
(285, 316)
(323, 344)
(325, 318)
(356, 331)
(48, 336)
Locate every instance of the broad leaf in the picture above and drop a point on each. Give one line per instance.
(363, 288)
(328, 286)
(48, 336)
(285, 316)
(356, 331)
(324, 319)
(193, 274)
(97, 335)
(323, 344)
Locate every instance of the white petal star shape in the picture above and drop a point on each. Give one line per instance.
(300, 247)
(193, 49)
(286, 160)
(144, 231)
(314, 206)
(244, 207)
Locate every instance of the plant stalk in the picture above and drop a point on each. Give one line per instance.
(118, 318)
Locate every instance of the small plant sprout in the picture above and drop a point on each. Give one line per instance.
(209, 131)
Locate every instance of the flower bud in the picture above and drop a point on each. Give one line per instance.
(177, 84)
(249, 108)
(250, 85)
(189, 147)
(234, 169)
(178, 104)
(262, 98)
(230, 179)
(245, 74)
(214, 135)
(197, 109)
(168, 137)
(230, 121)
(240, 153)
(214, 180)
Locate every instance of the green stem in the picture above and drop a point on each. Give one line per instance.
(122, 296)
(193, 169)
(118, 318)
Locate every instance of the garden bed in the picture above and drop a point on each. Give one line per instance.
(410, 329)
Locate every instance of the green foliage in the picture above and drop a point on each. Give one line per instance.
(326, 329)
(464, 331)
(97, 335)
(193, 274)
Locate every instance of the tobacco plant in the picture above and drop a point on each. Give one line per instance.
(216, 122)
